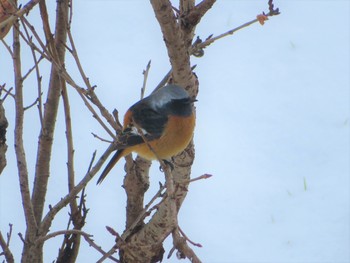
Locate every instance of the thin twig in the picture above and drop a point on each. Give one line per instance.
(200, 46)
(108, 254)
(33, 67)
(189, 240)
(86, 236)
(75, 213)
(7, 47)
(9, 235)
(100, 138)
(46, 222)
(90, 94)
(70, 14)
(163, 81)
(31, 105)
(43, 51)
(5, 245)
(37, 71)
(145, 76)
(211, 40)
(8, 92)
(21, 238)
(62, 232)
(181, 245)
(141, 216)
(52, 56)
(203, 176)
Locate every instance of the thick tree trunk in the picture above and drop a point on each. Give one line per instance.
(145, 244)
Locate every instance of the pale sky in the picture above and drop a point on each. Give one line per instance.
(272, 128)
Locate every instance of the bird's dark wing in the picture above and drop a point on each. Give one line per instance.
(150, 119)
(131, 136)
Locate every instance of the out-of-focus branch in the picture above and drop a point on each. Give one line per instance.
(25, 9)
(7, 8)
(5, 246)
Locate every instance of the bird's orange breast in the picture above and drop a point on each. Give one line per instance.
(175, 138)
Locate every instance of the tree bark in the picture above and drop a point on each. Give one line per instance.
(146, 243)
(33, 251)
(3, 145)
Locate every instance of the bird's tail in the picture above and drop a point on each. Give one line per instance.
(119, 154)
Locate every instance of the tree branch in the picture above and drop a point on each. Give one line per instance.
(184, 250)
(50, 113)
(199, 46)
(174, 41)
(31, 222)
(90, 93)
(148, 239)
(3, 131)
(5, 247)
(72, 243)
(86, 236)
(145, 76)
(47, 220)
(24, 10)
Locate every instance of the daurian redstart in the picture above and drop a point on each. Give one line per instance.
(165, 119)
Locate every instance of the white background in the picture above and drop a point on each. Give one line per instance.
(272, 128)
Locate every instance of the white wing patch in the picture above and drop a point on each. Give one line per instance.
(135, 131)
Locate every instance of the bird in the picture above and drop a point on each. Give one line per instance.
(158, 126)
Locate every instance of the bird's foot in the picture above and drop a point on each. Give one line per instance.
(168, 163)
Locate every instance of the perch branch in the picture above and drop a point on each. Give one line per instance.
(143, 214)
